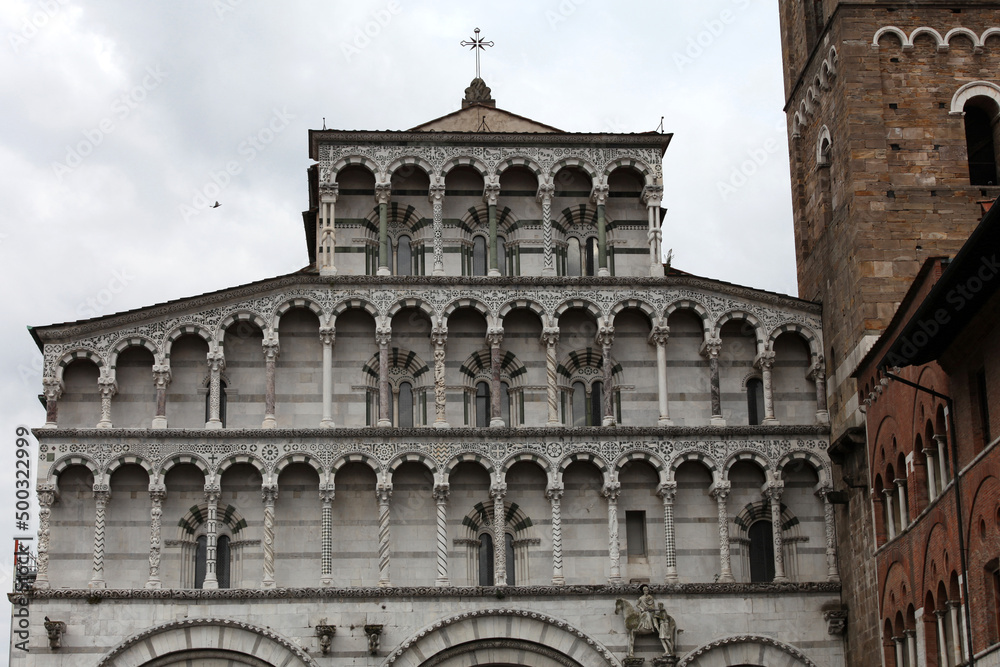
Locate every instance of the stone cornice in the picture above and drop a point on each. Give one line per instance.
(70, 330)
(375, 592)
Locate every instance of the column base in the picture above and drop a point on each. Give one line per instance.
(438, 271)
(41, 584)
(384, 584)
(493, 273)
(665, 421)
(725, 579)
(210, 585)
(614, 581)
(326, 582)
(267, 584)
(50, 425)
(558, 581)
(159, 422)
(383, 271)
(328, 271)
(832, 578)
(443, 583)
(780, 580)
(497, 423)
(548, 271)
(104, 424)
(608, 421)
(97, 583)
(603, 272)
(553, 423)
(326, 423)
(269, 422)
(718, 421)
(383, 423)
(672, 578)
(442, 424)
(154, 584)
(769, 422)
(822, 417)
(213, 423)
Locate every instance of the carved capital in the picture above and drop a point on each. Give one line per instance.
(157, 492)
(836, 621)
(667, 491)
(720, 490)
(383, 335)
(605, 336)
(383, 491)
(550, 336)
(441, 492)
(491, 193)
(326, 492)
(383, 192)
(498, 490)
(328, 192)
(554, 492)
(47, 495)
(710, 348)
(270, 348)
(439, 336)
(435, 192)
(611, 491)
(652, 195)
(545, 191)
(102, 493)
(216, 360)
(764, 360)
(55, 630)
(325, 633)
(494, 336)
(659, 335)
(161, 375)
(52, 388)
(327, 335)
(773, 490)
(374, 633)
(269, 493)
(108, 386)
(212, 492)
(599, 195)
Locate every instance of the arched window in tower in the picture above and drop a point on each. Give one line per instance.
(222, 403)
(200, 561)
(981, 140)
(590, 257)
(502, 256)
(482, 404)
(404, 256)
(761, 550)
(596, 404)
(508, 540)
(222, 561)
(579, 404)
(573, 267)
(479, 256)
(405, 404)
(505, 403)
(755, 401)
(486, 559)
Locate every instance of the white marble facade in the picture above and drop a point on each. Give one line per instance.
(309, 470)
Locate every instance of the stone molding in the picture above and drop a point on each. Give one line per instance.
(460, 592)
(746, 639)
(109, 658)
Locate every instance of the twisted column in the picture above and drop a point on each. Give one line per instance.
(268, 494)
(550, 338)
(108, 388)
(721, 492)
(212, 493)
(102, 495)
(436, 196)
(326, 235)
(490, 195)
(651, 196)
(161, 378)
(441, 492)
(383, 492)
(439, 337)
(327, 336)
(667, 492)
(47, 496)
(544, 196)
(383, 334)
(497, 493)
(494, 337)
(382, 194)
(605, 337)
(157, 494)
(658, 336)
(710, 350)
(270, 348)
(832, 574)
(216, 362)
(53, 390)
(611, 491)
(765, 362)
(555, 494)
(773, 493)
(326, 493)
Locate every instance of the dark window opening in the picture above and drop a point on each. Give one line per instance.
(579, 405)
(596, 404)
(485, 559)
(761, 552)
(635, 534)
(404, 257)
(509, 547)
(592, 256)
(482, 404)
(222, 560)
(755, 401)
(981, 147)
(405, 405)
(982, 398)
(479, 256)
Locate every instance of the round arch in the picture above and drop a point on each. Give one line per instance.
(354, 160)
(817, 464)
(569, 304)
(973, 89)
(65, 462)
(183, 330)
(804, 332)
(747, 317)
(261, 645)
(523, 304)
(638, 166)
(411, 302)
(747, 649)
(520, 161)
(75, 355)
(299, 457)
(411, 457)
(238, 316)
(348, 304)
(129, 459)
(699, 310)
(178, 459)
(754, 457)
(296, 302)
(528, 628)
(466, 161)
(468, 457)
(574, 162)
(701, 457)
(356, 457)
(638, 304)
(412, 160)
(466, 302)
(131, 341)
(643, 455)
(531, 457)
(587, 457)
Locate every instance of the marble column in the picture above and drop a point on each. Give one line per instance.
(550, 339)
(765, 362)
(326, 235)
(270, 348)
(544, 197)
(942, 635)
(491, 194)
(53, 390)
(383, 335)
(47, 496)
(108, 388)
(326, 494)
(667, 492)
(658, 336)
(721, 492)
(554, 494)
(383, 192)
(157, 494)
(954, 609)
(651, 196)
(904, 513)
(268, 494)
(436, 196)
(102, 496)
(605, 338)
(216, 363)
(818, 376)
(829, 526)
(929, 456)
(611, 491)
(942, 446)
(710, 349)
(910, 637)
(441, 492)
(383, 492)
(773, 493)
(212, 493)
(890, 513)
(497, 493)
(494, 337)
(600, 197)
(899, 649)
(161, 379)
(327, 336)
(439, 337)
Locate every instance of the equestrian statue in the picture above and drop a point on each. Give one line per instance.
(646, 618)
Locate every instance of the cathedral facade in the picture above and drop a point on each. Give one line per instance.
(485, 425)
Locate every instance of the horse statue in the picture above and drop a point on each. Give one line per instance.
(657, 622)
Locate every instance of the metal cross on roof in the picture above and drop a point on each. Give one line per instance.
(477, 44)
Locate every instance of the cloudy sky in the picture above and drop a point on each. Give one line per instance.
(117, 114)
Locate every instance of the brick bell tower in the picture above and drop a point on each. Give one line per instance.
(892, 114)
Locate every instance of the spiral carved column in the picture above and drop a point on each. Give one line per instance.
(441, 492)
(383, 492)
(157, 494)
(268, 494)
(555, 494)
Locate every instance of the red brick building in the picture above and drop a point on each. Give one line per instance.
(931, 390)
